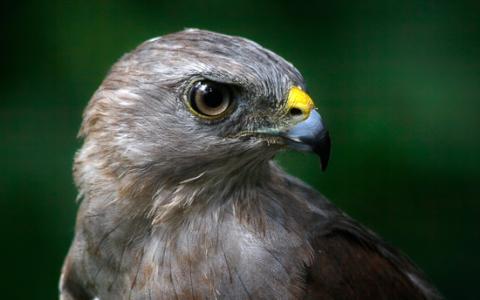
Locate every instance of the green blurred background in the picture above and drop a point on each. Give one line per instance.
(398, 82)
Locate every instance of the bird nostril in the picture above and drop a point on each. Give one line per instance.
(295, 112)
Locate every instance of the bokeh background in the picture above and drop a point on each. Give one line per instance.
(397, 81)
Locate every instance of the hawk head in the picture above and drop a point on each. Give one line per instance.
(195, 104)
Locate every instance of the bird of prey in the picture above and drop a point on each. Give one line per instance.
(180, 198)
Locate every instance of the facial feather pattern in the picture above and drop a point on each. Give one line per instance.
(175, 205)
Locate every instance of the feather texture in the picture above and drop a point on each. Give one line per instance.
(176, 207)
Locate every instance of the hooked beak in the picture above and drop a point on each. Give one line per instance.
(309, 134)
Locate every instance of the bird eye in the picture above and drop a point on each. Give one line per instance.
(210, 99)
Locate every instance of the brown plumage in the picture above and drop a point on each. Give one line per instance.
(180, 198)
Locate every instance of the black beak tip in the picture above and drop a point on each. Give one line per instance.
(322, 149)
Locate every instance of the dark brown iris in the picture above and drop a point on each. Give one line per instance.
(210, 98)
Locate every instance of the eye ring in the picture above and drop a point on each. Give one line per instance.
(209, 99)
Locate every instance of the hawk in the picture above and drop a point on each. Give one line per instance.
(180, 198)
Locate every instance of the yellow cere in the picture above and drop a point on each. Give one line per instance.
(298, 99)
